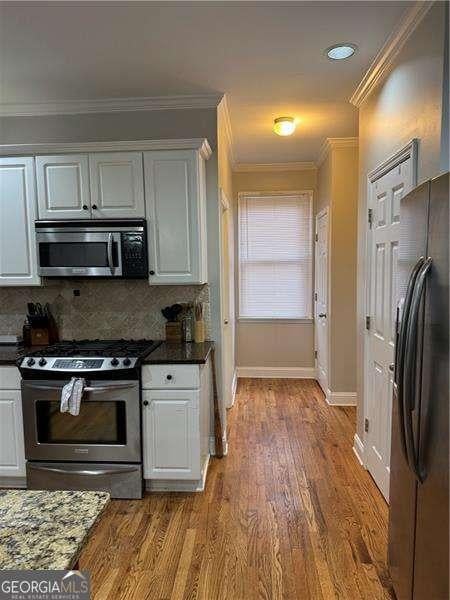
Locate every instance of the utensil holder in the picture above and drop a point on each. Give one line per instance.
(199, 331)
(174, 331)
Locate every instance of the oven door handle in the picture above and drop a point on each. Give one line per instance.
(104, 388)
(83, 471)
(107, 388)
(110, 253)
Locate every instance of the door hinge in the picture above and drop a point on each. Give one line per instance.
(315, 297)
(315, 353)
(366, 425)
(370, 217)
(368, 323)
(317, 237)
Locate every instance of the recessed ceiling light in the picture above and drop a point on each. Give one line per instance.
(341, 51)
(284, 125)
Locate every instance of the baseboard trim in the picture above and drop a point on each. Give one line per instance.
(178, 485)
(277, 372)
(212, 445)
(233, 388)
(13, 482)
(358, 449)
(340, 398)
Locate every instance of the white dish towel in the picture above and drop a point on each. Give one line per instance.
(71, 396)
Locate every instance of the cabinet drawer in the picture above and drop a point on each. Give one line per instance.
(171, 377)
(9, 378)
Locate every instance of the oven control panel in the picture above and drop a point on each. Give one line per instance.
(72, 364)
(80, 364)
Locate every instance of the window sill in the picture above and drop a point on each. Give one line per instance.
(274, 320)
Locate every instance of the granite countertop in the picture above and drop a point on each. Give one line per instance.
(10, 353)
(46, 530)
(174, 353)
(167, 353)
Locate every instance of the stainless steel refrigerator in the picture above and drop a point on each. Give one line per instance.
(419, 480)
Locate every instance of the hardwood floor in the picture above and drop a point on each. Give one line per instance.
(288, 514)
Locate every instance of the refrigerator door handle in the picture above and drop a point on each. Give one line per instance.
(409, 373)
(400, 351)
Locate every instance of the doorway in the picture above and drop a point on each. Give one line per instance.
(229, 379)
(321, 299)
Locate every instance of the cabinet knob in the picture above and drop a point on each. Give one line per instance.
(94, 206)
(391, 367)
(85, 207)
(169, 377)
(152, 272)
(145, 403)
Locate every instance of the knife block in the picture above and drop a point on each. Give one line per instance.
(40, 336)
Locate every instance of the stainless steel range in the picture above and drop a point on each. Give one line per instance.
(101, 448)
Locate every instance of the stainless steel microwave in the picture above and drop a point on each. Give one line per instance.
(100, 248)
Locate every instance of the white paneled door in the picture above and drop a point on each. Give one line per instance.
(321, 299)
(385, 194)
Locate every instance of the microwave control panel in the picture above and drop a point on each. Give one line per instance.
(134, 254)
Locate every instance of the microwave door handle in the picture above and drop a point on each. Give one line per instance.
(110, 253)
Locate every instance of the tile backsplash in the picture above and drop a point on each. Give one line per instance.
(104, 308)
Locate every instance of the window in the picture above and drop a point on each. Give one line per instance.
(275, 255)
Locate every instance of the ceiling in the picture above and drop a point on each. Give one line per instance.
(266, 56)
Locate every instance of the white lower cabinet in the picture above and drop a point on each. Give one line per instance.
(12, 451)
(171, 434)
(176, 422)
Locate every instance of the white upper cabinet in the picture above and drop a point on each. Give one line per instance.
(63, 186)
(117, 185)
(176, 213)
(18, 264)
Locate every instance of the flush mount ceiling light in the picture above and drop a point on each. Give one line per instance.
(284, 125)
(341, 51)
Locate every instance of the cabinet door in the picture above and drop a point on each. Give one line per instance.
(63, 187)
(18, 264)
(117, 185)
(175, 211)
(171, 434)
(12, 452)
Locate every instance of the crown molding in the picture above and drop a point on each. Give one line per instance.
(288, 166)
(332, 143)
(391, 48)
(108, 105)
(224, 113)
(200, 144)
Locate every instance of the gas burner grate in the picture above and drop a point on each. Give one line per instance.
(106, 348)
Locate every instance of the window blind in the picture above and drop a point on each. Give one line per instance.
(275, 256)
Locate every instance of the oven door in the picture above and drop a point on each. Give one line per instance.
(107, 428)
(79, 253)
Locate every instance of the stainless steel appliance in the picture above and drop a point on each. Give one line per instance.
(419, 482)
(98, 248)
(100, 449)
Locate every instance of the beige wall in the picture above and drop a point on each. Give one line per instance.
(343, 250)
(337, 183)
(272, 343)
(407, 104)
(99, 127)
